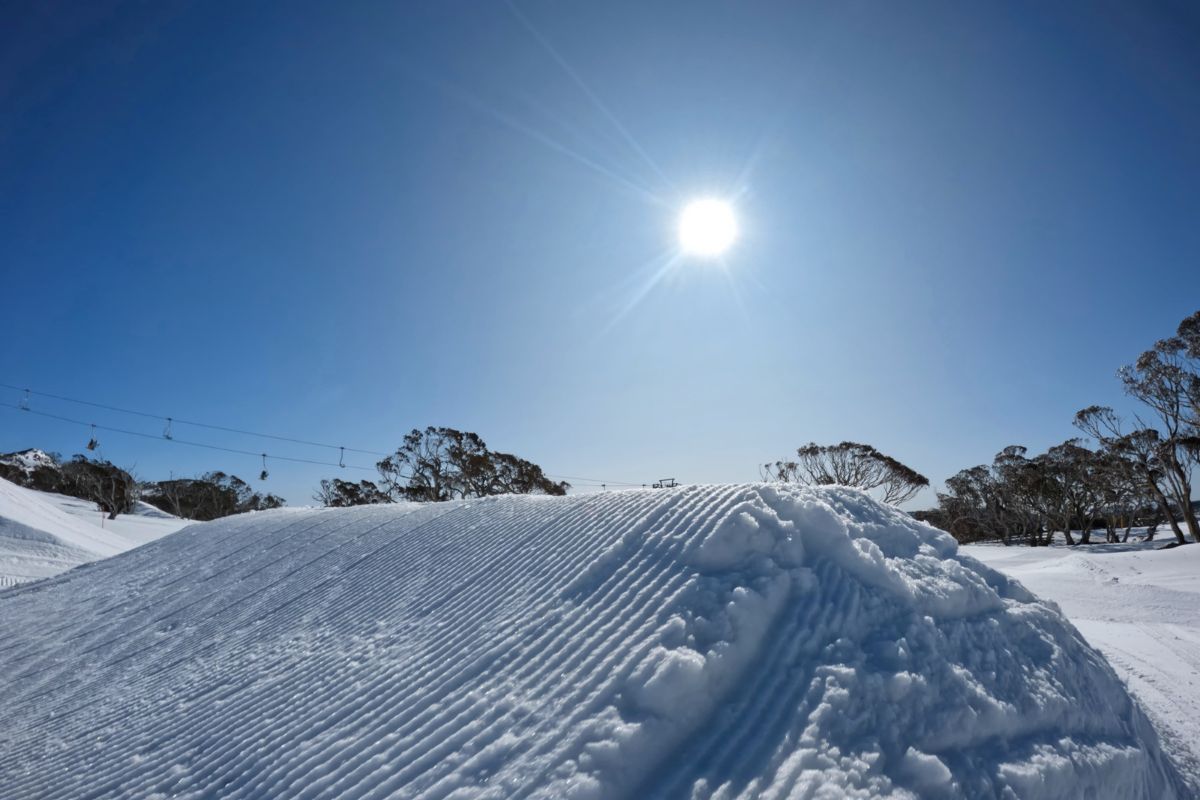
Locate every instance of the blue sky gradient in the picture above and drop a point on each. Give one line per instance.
(343, 221)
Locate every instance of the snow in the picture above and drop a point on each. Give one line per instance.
(144, 523)
(43, 534)
(705, 642)
(1136, 604)
(29, 460)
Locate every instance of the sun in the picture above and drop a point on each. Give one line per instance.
(707, 227)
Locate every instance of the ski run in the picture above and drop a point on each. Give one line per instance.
(701, 642)
(43, 534)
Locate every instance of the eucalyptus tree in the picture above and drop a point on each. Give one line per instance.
(1143, 452)
(1165, 379)
(447, 464)
(338, 493)
(849, 464)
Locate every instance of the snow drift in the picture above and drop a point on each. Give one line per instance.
(723, 642)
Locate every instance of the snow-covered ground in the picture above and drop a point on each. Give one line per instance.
(1140, 606)
(705, 642)
(43, 534)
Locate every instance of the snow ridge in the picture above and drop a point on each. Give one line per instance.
(722, 641)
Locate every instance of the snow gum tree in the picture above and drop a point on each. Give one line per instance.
(338, 493)
(447, 464)
(211, 496)
(111, 488)
(1139, 455)
(1166, 379)
(1141, 470)
(849, 464)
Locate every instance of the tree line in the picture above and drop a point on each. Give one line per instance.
(1139, 471)
(431, 465)
(116, 491)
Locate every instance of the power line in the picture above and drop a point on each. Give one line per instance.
(171, 421)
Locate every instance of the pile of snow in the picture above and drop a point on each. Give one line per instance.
(736, 641)
(43, 534)
(1136, 604)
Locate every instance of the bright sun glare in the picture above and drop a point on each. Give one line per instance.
(707, 227)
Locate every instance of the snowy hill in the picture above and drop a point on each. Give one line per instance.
(737, 641)
(29, 460)
(43, 534)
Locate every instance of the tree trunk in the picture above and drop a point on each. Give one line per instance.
(1182, 491)
(1165, 507)
(1189, 514)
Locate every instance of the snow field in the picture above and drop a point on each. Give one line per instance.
(727, 641)
(43, 534)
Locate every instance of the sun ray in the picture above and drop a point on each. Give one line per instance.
(479, 105)
(591, 95)
(654, 271)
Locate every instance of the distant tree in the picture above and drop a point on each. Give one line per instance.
(1073, 487)
(1125, 497)
(111, 488)
(849, 464)
(211, 496)
(1140, 471)
(1141, 454)
(1017, 481)
(445, 464)
(967, 509)
(1166, 380)
(997, 501)
(338, 493)
(46, 475)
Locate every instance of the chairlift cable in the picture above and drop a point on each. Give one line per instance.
(25, 404)
(185, 441)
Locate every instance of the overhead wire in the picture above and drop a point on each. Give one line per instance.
(178, 421)
(168, 435)
(177, 440)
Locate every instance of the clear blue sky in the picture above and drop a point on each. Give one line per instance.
(343, 221)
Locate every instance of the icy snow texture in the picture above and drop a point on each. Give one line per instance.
(737, 641)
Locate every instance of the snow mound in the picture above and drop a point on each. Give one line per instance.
(732, 641)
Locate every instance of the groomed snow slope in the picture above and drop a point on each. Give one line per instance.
(38, 540)
(701, 642)
(43, 534)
